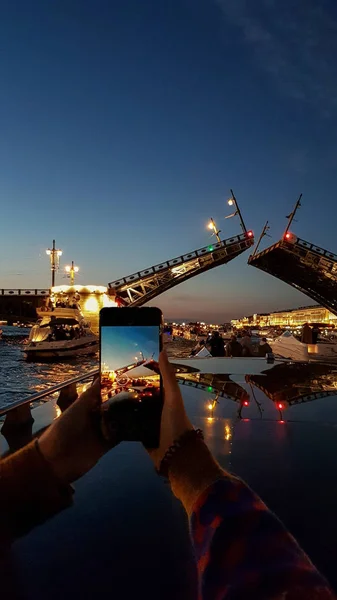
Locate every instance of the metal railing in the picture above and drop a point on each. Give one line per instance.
(48, 392)
(24, 292)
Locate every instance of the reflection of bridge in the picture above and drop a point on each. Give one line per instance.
(140, 287)
(308, 268)
(220, 384)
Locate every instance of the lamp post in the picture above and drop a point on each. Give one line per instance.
(212, 226)
(54, 254)
(233, 202)
(71, 270)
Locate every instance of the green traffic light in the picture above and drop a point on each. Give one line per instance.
(210, 389)
(210, 248)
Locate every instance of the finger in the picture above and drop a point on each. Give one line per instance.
(168, 374)
(91, 398)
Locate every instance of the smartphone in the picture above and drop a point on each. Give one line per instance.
(131, 384)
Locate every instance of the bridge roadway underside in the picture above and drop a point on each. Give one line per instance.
(139, 288)
(311, 271)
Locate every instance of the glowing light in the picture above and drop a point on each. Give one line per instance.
(67, 268)
(250, 234)
(230, 202)
(246, 403)
(91, 304)
(288, 236)
(59, 252)
(58, 411)
(210, 248)
(210, 419)
(210, 225)
(280, 405)
(210, 407)
(210, 389)
(81, 289)
(48, 252)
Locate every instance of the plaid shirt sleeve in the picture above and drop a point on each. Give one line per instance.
(244, 552)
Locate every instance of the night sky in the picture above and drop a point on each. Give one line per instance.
(121, 346)
(124, 124)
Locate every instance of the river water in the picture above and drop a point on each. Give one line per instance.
(20, 378)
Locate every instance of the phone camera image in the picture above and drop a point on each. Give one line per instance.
(131, 383)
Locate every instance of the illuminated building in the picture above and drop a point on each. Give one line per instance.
(288, 318)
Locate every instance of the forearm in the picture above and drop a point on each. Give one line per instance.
(239, 544)
(29, 492)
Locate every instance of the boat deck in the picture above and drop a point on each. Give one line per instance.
(127, 537)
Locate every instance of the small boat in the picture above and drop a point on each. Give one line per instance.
(60, 334)
(287, 346)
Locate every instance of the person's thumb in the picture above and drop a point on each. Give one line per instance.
(167, 373)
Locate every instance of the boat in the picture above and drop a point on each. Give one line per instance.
(287, 346)
(60, 334)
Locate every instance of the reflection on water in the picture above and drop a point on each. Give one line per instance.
(20, 378)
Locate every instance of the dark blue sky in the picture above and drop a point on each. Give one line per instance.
(124, 124)
(122, 345)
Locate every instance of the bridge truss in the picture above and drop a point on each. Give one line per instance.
(139, 288)
(308, 268)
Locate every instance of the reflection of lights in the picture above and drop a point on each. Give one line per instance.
(58, 411)
(210, 419)
(228, 433)
(210, 406)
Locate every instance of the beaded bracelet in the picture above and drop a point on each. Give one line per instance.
(170, 452)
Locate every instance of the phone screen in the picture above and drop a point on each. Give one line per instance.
(131, 385)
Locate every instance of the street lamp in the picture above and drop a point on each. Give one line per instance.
(71, 270)
(212, 226)
(232, 201)
(54, 254)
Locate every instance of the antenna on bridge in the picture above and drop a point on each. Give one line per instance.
(233, 202)
(293, 213)
(263, 233)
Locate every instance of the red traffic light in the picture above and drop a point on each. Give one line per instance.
(246, 403)
(250, 233)
(280, 406)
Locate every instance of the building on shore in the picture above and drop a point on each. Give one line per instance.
(283, 318)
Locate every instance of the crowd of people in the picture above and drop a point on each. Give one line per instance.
(239, 346)
(65, 332)
(242, 550)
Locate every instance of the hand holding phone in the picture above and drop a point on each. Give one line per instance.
(131, 384)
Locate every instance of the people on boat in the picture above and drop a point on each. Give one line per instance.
(264, 347)
(246, 343)
(216, 344)
(242, 550)
(306, 337)
(233, 348)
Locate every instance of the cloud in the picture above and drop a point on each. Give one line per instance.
(295, 42)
